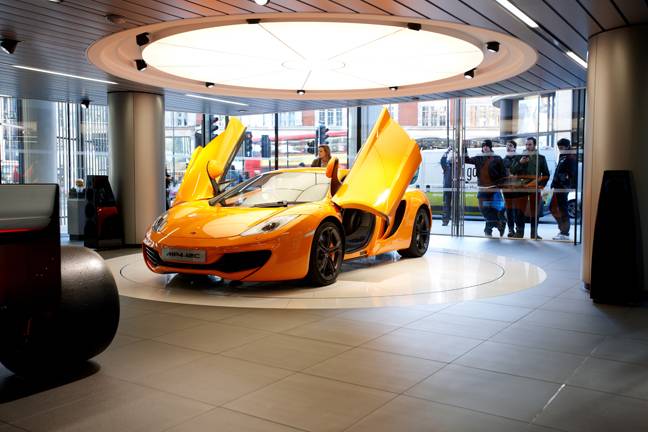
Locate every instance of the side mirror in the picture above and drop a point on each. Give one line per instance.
(332, 173)
(213, 170)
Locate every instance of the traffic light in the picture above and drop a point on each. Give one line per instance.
(247, 144)
(310, 147)
(213, 127)
(322, 134)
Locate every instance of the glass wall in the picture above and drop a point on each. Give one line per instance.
(511, 186)
(507, 188)
(49, 142)
(301, 133)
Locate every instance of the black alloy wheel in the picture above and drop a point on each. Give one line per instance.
(420, 236)
(327, 253)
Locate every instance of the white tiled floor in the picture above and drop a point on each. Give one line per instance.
(541, 359)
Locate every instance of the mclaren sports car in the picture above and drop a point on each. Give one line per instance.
(291, 224)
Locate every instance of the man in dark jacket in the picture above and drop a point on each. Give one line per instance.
(490, 171)
(511, 200)
(564, 180)
(446, 166)
(532, 168)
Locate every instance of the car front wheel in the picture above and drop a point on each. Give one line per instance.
(327, 253)
(420, 236)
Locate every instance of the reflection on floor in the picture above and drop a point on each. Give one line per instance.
(541, 359)
(441, 276)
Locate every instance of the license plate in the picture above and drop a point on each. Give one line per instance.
(184, 255)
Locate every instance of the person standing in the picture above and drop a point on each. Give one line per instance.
(324, 153)
(490, 171)
(446, 166)
(532, 168)
(512, 198)
(563, 181)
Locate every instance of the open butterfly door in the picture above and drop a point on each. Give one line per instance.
(210, 163)
(382, 171)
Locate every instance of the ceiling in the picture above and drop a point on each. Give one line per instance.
(55, 36)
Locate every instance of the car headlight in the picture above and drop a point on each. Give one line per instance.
(270, 225)
(160, 222)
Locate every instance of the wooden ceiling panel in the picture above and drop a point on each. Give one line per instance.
(572, 11)
(55, 36)
(635, 11)
(558, 26)
(604, 12)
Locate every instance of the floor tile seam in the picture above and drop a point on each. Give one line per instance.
(357, 421)
(599, 314)
(547, 404)
(275, 331)
(341, 381)
(163, 334)
(543, 349)
(568, 329)
(189, 419)
(424, 331)
(594, 356)
(264, 419)
(348, 348)
(190, 349)
(98, 391)
(17, 427)
(609, 393)
(398, 325)
(402, 354)
(137, 339)
(150, 387)
(544, 380)
(473, 317)
(239, 313)
(468, 409)
(318, 340)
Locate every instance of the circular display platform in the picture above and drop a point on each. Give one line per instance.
(441, 276)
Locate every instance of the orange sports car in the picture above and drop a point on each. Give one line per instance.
(292, 223)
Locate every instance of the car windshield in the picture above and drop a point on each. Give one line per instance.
(277, 189)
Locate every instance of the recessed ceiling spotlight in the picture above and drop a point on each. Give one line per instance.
(414, 26)
(301, 92)
(56, 1)
(393, 88)
(469, 74)
(253, 21)
(518, 13)
(141, 64)
(492, 46)
(85, 103)
(142, 39)
(116, 19)
(8, 45)
(242, 111)
(209, 84)
(415, 98)
(261, 2)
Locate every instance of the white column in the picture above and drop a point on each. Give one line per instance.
(616, 129)
(136, 142)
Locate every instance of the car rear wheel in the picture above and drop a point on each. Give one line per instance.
(420, 236)
(327, 253)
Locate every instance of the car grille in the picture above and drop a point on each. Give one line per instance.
(228, 263)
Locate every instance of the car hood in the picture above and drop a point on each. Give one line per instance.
(199, 220)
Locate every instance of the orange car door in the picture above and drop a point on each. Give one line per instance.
(382, 171)
(196, 183)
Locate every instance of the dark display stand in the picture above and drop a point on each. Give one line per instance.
(617, 255)
(103, 226)
(58, 306)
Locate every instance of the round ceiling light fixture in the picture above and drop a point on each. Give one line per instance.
(261, 2)
(343, 56)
